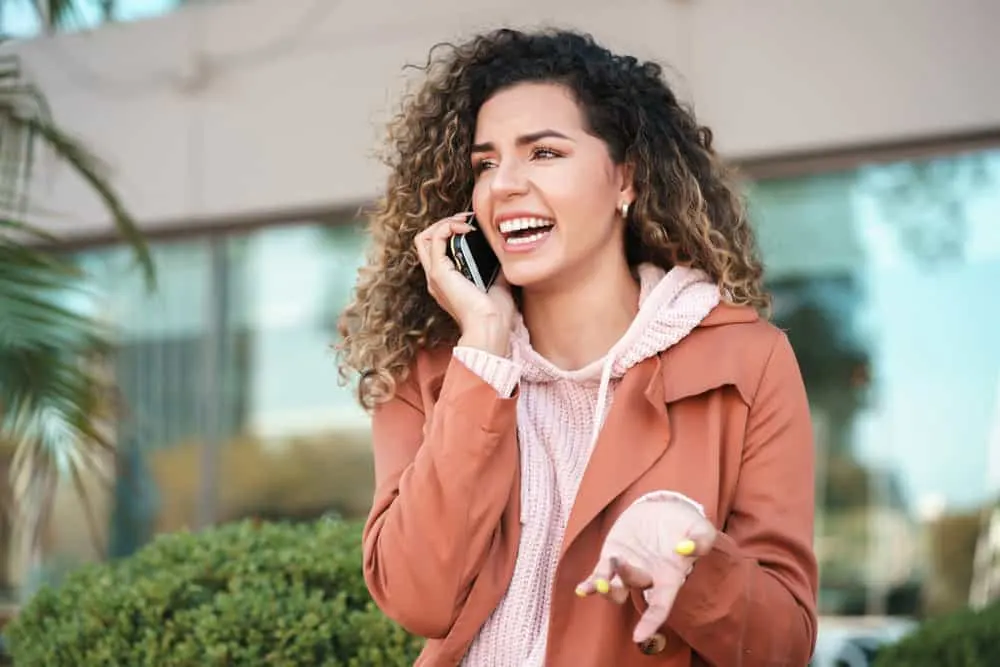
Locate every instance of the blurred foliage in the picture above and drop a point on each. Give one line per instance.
(965, 638)
(952, 541)
(294, 477)
(245, 594)
(65, 15)
(56, 401)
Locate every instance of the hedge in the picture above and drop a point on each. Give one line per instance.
(244, 594)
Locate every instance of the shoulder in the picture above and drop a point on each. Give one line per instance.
(731, 347)
(425, 375)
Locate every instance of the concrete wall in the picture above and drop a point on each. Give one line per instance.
(256, 107)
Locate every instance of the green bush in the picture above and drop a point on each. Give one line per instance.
(962, 639)
(244, 594)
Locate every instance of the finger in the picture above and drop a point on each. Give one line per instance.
(599, 580)
(661, 600)
(619, 592)
(649, 623)
(424, 236)
(699, 541)
(439, 240)
(422, 244)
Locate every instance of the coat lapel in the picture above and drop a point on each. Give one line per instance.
(637, 431)
(634, 437)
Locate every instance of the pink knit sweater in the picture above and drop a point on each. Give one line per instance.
(560, 414)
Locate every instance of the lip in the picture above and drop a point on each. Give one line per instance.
(522, 247)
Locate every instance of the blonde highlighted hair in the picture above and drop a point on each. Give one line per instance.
(687, 209)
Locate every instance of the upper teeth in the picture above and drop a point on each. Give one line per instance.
(517, 224)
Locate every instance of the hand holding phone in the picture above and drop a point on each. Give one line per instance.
(484, 313)
(473, 257)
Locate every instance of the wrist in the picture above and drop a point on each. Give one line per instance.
(490, 333)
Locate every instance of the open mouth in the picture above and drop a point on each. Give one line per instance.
(524, 231)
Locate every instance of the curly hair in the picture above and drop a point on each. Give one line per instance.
(687, 210)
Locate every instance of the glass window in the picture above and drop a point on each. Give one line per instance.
(885, 279)
(291, 284)
(304, 448)
(21, 18)
(227, 369)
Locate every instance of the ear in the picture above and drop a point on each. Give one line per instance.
(626, 183)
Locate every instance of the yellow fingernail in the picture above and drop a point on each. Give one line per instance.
(602, 586)
(581, 591)
(685, 547)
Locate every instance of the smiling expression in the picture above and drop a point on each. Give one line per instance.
(547, 192)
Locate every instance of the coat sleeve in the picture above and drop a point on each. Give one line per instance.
(441, 487)
(751, 601)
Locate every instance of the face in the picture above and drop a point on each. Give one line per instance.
(547, 193)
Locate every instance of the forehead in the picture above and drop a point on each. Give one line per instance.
(526, 107)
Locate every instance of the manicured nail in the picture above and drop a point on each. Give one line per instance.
(581, 591)
(602, 586)
(685, 547)
(464, 214)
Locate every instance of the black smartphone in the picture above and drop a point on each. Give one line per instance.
(473, 257)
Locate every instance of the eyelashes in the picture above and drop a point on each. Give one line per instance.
(537, 153)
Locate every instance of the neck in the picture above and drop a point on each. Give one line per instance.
(576, 322)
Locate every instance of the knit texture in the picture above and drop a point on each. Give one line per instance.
(559, 415)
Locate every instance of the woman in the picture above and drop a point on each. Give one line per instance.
(608, 454)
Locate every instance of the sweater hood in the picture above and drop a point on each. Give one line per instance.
(671, 304)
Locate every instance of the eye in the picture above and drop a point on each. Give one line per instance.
(544, 153)
(482, 165)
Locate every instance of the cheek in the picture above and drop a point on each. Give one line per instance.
(480, 196)
(580, 194)
(482, 208)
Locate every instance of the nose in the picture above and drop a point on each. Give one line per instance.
(509, 179)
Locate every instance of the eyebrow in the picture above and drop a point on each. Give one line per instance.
(523, 140)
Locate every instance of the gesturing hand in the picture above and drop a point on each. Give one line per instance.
(651, 547)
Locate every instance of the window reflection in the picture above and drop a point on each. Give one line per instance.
(883, 278)
(22, 18)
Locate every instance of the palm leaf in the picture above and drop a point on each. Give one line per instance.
(18, 229)
(26, 122)
(53, 13)
(55, 406)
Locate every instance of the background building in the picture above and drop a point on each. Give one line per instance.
(241, 134)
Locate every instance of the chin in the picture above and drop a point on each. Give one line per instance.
(527, 274)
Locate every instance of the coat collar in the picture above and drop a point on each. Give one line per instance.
(709, 357)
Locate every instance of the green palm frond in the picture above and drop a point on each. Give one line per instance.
(25, 125)
(55, 405)
(62, 12)
(56, 401)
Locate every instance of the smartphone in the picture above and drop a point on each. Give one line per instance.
(473, 257)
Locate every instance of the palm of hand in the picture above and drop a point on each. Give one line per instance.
(651, 547)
